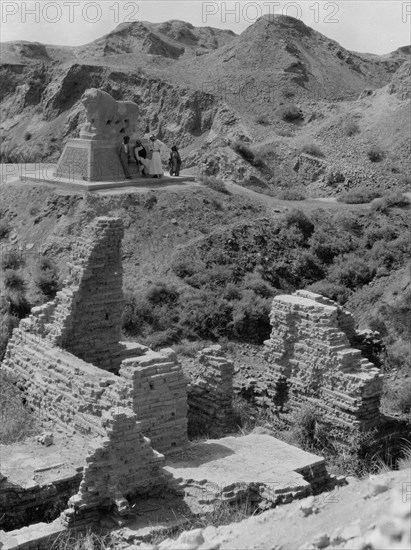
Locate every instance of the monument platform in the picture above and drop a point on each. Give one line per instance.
(38, 176)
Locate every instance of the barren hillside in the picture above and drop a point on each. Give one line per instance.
(218, 95)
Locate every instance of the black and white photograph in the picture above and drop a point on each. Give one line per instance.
(205, 275)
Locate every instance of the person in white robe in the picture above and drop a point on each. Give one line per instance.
(156, 167)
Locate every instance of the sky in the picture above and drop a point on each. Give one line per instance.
(373, 26)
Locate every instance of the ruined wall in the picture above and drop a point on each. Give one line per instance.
(85, 317)
(210, 392)
(158, 396)
(119, 465)
(24, 505)
(64, 389)
(51, 353)
(312, 360)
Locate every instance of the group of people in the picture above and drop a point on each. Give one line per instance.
(148, 162)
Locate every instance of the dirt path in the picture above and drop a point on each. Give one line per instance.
(9, 174)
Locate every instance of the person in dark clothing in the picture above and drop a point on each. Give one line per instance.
(124, 154)
(140, 154)
(174, 161)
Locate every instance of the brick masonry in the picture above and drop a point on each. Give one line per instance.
(119, 465)
(210, 392)
(312, 360)
(85, 317)
(74, 371)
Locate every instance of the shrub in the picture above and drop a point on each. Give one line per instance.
(186, 267)
(251, 317)
(359, 196)
(301, 220)
(18, 305)
(290, 112)
(335, 177)
(12, 259)
(244, 151)
(215, 184)
(160, 293)
(262, 119)
(13, 280)
(291, 195)
(28, 136)
(46, 278)
(285, 133)
(351, 128)
(352, 271)
(393, 199)
(338, 293)
(375, 153)
(312, 149)
(396, 398)
(4, 229)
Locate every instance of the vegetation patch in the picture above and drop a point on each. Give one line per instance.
(312, 149)
(359, 196)
(290, 113)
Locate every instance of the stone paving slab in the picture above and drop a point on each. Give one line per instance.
(254, 458)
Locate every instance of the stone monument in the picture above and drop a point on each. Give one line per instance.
(93, 156)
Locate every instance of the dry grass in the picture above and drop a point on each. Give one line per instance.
(223, 513)
(82, 541)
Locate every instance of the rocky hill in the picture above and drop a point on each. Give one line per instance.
(225, 99)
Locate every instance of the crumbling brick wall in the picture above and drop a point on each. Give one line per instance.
(158, 396)
(311, 356)
(63, 388)
(85, 317)
(51, 353)
(210, 392)
(119, 466)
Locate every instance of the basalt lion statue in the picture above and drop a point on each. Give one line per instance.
(107, 118)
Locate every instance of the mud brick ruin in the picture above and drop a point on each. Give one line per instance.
(120, 465)
(76, 373)
(312, 360)
(211, 393)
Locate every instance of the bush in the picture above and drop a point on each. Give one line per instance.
(375, 154)
(160, 293)
(215, 184)
(291, 195)
(352, 271)
(359, 196)
(262, 119)
(251, 317)
(285, 133)
(300, 220)
(338, 293)
(12, 259)
(351, 128)
(335, 177)
(312, 149)
(393, 199)
(18, 305)
(244, 151)
(4, 229)
(46, 278)
(13, 280)
(290, 112)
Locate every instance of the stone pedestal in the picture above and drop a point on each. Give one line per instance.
(90, 160)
